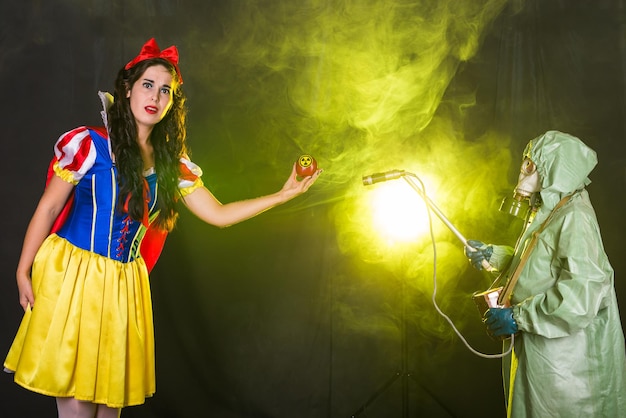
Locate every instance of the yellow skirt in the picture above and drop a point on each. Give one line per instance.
(90, 333)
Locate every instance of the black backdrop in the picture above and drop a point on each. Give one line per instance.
(279, 316)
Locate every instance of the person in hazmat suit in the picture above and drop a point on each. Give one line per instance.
(568, 358)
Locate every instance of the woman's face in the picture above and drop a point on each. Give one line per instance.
(151, 96)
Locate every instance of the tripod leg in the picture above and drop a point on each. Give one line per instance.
(376, 394)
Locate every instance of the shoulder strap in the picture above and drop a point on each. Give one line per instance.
(512, 281)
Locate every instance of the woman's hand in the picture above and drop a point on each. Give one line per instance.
(294, 187)
(25, 289)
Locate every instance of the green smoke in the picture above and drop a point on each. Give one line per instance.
(359, 85)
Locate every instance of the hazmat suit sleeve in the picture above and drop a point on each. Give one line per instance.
(568, 275)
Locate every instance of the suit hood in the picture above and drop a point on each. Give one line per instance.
(564, 163)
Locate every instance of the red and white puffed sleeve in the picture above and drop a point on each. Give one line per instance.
(190, 177)
(74, 155)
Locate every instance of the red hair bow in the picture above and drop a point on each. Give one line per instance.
(151, 50)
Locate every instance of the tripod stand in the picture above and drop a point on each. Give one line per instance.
(403, 374)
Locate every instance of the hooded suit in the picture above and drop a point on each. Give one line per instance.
(569, 358)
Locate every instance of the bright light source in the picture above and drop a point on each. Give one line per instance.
(399, 213)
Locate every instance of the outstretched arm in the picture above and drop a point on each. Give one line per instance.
(50, 205)
(205, 206)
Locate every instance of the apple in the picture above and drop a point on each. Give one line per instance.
(306, 165)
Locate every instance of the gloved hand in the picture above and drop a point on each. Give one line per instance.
(483, 252)
(500, 322)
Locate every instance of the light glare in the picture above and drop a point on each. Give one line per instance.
(399, 213)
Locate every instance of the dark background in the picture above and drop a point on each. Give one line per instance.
(297, 312)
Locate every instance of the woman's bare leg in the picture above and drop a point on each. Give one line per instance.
(73, 408)
(104, 411)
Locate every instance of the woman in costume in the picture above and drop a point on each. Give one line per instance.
(87, 334)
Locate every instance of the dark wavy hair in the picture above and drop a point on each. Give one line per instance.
(168, 139)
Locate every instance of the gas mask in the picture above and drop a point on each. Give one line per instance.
(526, 194)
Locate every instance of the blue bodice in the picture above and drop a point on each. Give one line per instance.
(95, 222)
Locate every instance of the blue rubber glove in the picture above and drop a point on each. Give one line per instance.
(500, 322)
(483, 252)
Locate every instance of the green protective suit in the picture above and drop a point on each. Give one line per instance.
(568, 358)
